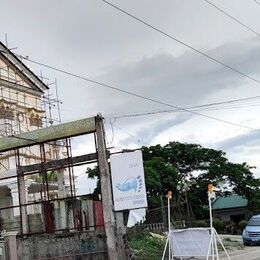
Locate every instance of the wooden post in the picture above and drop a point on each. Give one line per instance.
(106, 192)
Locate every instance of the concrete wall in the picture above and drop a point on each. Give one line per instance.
(226, 214)
(78, 245)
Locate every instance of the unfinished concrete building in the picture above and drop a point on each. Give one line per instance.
(41, 214)
(25, 105)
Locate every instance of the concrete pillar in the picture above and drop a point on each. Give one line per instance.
(23, 200)
(106, 192)
(62, 194)
(15, 198)
(6, 201)
(61, 187)
(114, 242)
(11, 242)
(120, 235)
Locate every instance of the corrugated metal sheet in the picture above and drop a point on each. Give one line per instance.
(49, 218)
(98, 213)
(232, 201)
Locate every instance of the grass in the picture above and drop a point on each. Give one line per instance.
(149, 246)
(232, 244)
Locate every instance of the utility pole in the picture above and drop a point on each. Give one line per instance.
(115, 251)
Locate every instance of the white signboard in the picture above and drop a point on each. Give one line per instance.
(193, 242)
(128, 183)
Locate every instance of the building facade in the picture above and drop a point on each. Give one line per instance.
(24, 106)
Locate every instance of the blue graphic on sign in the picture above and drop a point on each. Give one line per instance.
(133, 183)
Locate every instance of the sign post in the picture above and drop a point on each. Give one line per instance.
(128, 186)
(214, 237)
(169, 197)
(128, 182)
(211, 195)
(194, 242)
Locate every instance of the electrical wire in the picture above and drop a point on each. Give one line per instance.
(130, 134)
(144, 97)
(232, 17)
(204, 106)
(182, 42)
(138, 95)
(174, 111)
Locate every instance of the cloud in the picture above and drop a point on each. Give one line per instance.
(186, 80)
(243, 148)
(149, 132)
(183, 80)
(250, 139)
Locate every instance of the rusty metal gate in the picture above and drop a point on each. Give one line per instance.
(2, 248)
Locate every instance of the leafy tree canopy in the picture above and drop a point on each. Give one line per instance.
(186, 170)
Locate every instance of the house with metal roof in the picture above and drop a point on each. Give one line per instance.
(230, 208)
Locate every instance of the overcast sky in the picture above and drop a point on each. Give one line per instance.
(92, 39)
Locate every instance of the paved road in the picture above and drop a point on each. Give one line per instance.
(248, 253)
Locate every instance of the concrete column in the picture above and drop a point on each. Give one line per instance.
(11, 242)
(23, 200)
(120, 235)
(15, 198)
(114, 252)
(62, 194)
(61, 188)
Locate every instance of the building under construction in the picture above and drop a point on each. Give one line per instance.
(25, 105)
(37, 186)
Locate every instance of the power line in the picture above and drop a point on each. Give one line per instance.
(204, 106)
(162, 111)
(136, 95)
(182, 42)
(173, 111)
(233, 18)
(130, 134)
(207, 107)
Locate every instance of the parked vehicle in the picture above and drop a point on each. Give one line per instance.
(251, 234)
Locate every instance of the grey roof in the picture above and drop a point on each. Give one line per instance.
(14, 61)
(232, 201)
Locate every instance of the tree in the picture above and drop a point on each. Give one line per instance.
(186, 170)
(160, 177)
(196, 167)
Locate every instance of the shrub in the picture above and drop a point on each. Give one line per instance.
(147, 247)
(137, 232)
(242, 225)
(218, 225)
(200, 223)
